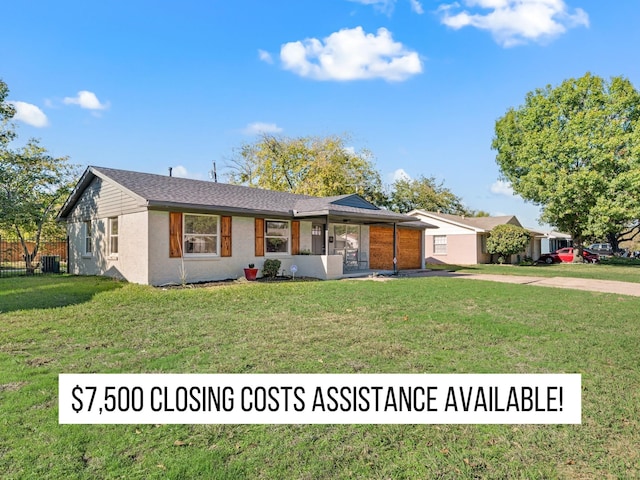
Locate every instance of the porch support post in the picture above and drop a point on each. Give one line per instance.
(395, 249)
(423, 246)
(326, 236)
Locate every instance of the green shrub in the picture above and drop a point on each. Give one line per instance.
(506, 240)
(527, 262)
(271, 267)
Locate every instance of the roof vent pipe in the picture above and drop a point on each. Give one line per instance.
(170, 171)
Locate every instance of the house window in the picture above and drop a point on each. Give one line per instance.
(113, 236)
(440, 244)
(483, 243)
(276, 236)
(347, 236)
(201, 233)
(88, 241)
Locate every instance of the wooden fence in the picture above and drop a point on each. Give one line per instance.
(51, 258)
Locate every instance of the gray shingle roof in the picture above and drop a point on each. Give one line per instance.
(160, 191)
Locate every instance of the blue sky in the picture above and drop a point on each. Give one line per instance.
(147, 85)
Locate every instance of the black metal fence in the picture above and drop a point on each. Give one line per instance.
(52, 256)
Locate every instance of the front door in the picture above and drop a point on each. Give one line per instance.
(317, 239)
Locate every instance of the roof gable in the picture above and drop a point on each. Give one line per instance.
(354, 200)
(477, 224)
(86, 182)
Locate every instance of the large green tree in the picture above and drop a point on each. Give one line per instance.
(7, 111)
(322, 166)
(574, 149)
(627, 233)
(424, 193)
(32, 184)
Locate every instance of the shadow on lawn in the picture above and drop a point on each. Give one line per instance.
(449, 267)
(50, 291)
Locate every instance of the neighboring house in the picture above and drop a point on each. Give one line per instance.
(552, 241)
(155, 229)
(463, 240)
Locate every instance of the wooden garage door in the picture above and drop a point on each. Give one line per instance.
(381, 248)
(409, 248)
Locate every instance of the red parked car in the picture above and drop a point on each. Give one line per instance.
(565, 255)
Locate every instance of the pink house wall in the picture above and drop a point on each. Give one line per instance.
(461, 250)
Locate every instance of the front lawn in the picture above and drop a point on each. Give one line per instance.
(51, 325)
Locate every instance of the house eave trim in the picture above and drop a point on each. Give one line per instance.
(189, 207)
(365, 217)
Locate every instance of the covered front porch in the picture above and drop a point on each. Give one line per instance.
(351, 246)
(336, 247)
(347, 235)
(328, 267)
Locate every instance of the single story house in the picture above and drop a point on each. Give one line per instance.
(553, 241)
(463, 240)
(157, 230)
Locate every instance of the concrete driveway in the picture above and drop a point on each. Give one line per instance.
(606, 286)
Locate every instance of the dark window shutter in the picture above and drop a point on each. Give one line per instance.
(259, 237)
(295, 237)
(226, 237)
(175, 234)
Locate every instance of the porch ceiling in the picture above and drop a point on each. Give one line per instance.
(362, 218)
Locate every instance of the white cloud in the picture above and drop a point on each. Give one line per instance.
(384, 6)
(350, 150)
(502, 188)
(87, 100)
(400, 174)
(387, 6)
(265, 56)
(30, 114)
(514, 22)
(416, 6)
(182, 172)
(351, 54)
(260, 127)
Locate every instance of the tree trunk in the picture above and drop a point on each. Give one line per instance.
(612, 238)
(29, 257)
(577, 254)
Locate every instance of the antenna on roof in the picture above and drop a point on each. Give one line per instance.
(212, 173)
(171, 171)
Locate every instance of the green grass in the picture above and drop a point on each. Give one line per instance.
(51, 325)
(614, 269)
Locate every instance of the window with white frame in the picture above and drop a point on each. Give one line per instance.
(88, 239)
(113, 236)
(440, 244)
(276, 236)
(201, 234)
